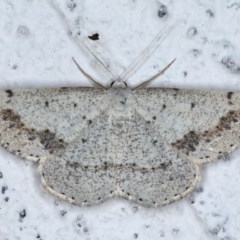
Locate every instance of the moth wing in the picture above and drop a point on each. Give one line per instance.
(149, 171)
(203, 125)
(83, 174)
(37, 122)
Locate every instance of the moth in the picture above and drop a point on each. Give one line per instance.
(144, 144)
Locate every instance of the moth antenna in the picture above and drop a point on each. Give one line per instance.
(88, 76)
(141, 59)
(146, 82)
(111, 75)
(75, 38)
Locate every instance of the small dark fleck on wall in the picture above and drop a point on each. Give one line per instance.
(192, 200)
(22, 214)
(192, 105)
(210, 13)
(46, 104)
(1, 175)
(71, 5)
(38, 236)
(4, 189)
(196, 52)
(135, 235)
(192, 31)
(94, 37)
(199, 189)
(175, 231)
(63, 212)
(235, 5)
(231, 64)
(162, 11)
(6, 199)
(225, 156)
(23, 31)
(14, 66)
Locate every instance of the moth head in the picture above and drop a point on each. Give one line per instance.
(118, 84)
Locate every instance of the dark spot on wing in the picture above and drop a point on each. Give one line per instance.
(165, 165)
(46, 104)
(47, 138)
(188, 142)
(154, 142)
(9, 92)
(9, 115)
(89, 122)
(75, 104)
(73, 165)
(175, 93)
(229, 95)
(192, 105)
(225, 121)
